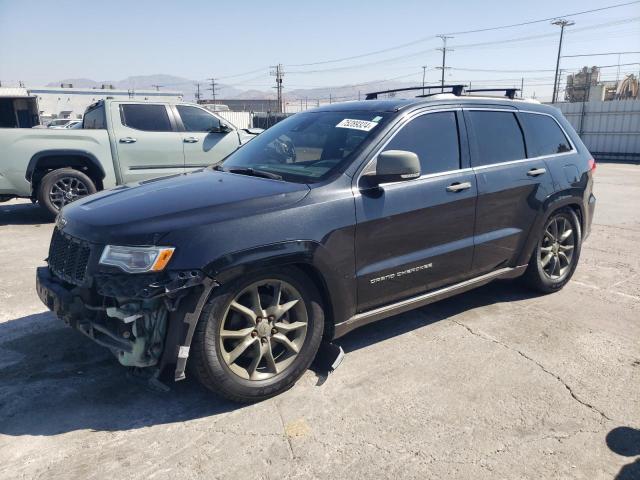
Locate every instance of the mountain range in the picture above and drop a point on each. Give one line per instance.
(188, 88)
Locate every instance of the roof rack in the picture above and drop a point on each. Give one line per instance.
(508, 92)
(455, 89)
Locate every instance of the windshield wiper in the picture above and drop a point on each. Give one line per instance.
(253, 172)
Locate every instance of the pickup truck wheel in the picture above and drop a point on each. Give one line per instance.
(61, 187)
(256, 337)
(556, 255)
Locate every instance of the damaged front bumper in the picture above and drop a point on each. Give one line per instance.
(144, 321)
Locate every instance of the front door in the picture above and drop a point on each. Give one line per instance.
(417, 235)
(203, 142)
(147, 142)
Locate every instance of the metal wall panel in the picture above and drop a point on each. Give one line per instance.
(607, 128)
(239, 119)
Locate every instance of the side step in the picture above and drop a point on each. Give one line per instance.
(402, 306)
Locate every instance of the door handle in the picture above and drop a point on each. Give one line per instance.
(534, 172)
(458, 187)
(190, 140)
(128, 140)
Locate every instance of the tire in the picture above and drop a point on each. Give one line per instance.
(223, 330)
(543, 273)
(61, 187)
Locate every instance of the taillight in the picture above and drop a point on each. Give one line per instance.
(592, 164)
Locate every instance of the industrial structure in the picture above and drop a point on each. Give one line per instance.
(586, 85)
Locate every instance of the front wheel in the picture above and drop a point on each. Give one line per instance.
(258, 335)
(556, 255)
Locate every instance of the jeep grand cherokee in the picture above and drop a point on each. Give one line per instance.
(331, 219)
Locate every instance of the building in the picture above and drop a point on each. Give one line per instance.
(66, 101)
(246, 105)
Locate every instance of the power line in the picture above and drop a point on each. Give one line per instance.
(424, 39)
(598, 54)
(543, 20)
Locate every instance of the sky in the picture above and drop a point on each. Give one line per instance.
(236, 42)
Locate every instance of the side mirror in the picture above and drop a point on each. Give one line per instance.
(393, 166)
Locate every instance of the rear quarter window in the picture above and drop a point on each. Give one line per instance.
(544, 135)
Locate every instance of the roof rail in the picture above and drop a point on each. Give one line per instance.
(455, 89)
(508, 92)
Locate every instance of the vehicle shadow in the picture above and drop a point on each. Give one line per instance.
(54, 380)
(22, 214)
(625, 441)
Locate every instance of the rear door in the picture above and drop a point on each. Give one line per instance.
(511, 186)
(417, 235)
(203, 142)
(147, 141)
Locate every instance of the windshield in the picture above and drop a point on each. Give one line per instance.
(307, 147)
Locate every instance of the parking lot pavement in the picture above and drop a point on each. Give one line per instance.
(496, 383)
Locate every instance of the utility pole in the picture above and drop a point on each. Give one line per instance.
(157, 87)
(556, 81)
(198, 96)
(213, 89)
(278, 72)
(424, 74)
(444, 50)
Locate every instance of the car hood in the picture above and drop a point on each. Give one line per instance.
(141, 213)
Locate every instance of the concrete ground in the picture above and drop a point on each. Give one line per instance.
(495, 383)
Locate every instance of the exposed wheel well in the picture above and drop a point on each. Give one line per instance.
(577, 209)
(48, 163)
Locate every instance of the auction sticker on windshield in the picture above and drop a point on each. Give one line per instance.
(363, 125)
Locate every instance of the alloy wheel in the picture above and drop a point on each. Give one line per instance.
(67, 190)
(557, 248)
(263, 329)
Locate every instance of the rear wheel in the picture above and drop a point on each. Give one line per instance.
(256, 337)
(557, 252)
(61, 187)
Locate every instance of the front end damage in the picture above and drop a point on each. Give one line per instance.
(146, 320)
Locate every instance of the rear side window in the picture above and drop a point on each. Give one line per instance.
(150, 118)
(434, 138)
(94, 119)
(498, 137)
(544, 135)
(197, 120)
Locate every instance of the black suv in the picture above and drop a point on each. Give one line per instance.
(331, 219)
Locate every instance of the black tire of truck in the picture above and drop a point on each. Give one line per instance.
(61, 187)
(209, 358)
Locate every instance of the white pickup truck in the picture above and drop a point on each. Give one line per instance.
(119, 142)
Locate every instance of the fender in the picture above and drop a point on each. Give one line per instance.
(91, 158)
(338, 292)
(552, 203)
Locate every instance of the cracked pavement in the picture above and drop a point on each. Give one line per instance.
(495, 383)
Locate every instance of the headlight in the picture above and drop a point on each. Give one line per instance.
(137, 259)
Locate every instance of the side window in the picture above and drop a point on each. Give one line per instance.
(149, 118)
(544, 136)
(498, 137)
(197, 120)
(94, 119)
(434, 138)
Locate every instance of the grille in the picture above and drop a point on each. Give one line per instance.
(68, 257)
